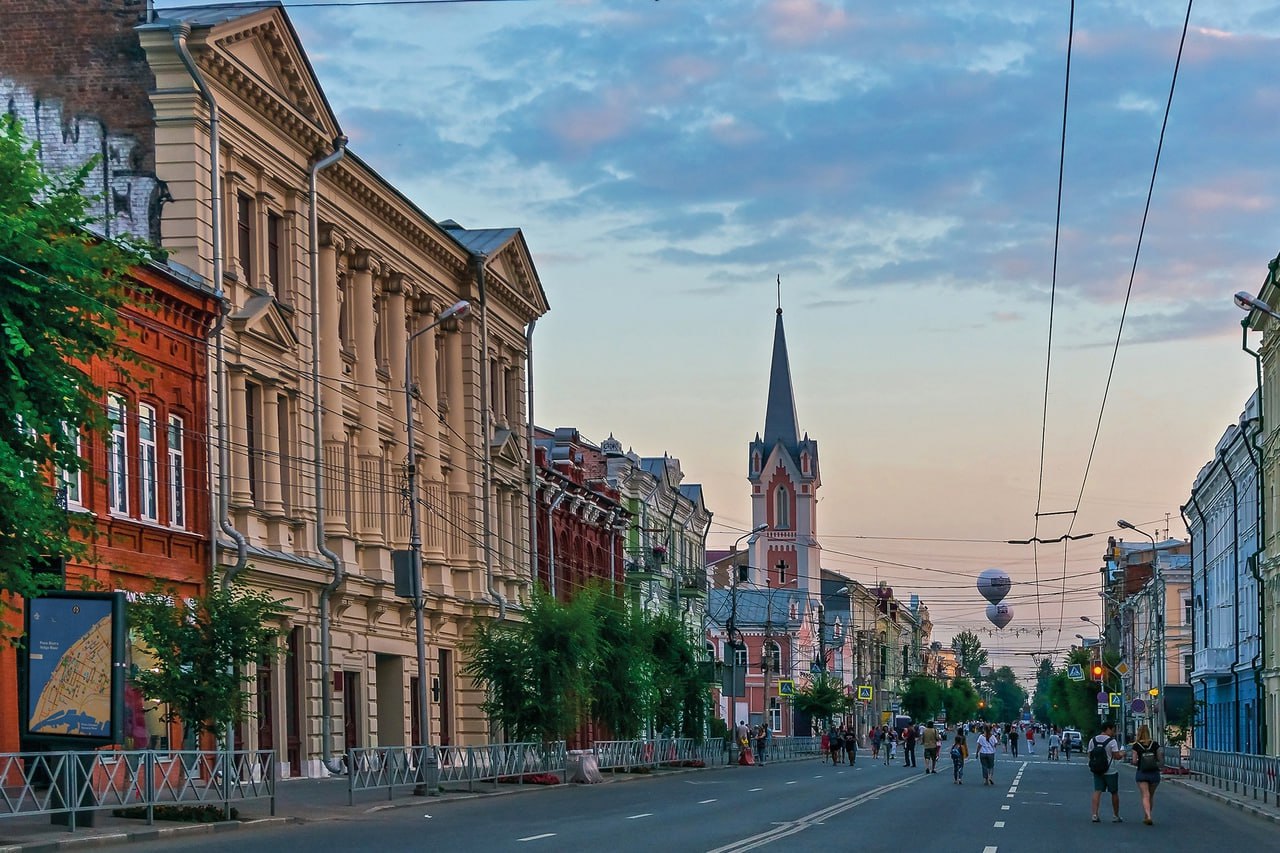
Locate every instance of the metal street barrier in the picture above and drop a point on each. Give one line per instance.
(1255, 775)
(390, 767)
(66, 783)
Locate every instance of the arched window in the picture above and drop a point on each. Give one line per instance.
(804, 463)
(755, 462)
(782, 509)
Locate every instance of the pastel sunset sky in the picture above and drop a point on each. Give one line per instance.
(897, 164)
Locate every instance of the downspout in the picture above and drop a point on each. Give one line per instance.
(1255, 453)
(609, 531)
(333, 765)
(1204, 559)
(1235, 552)
(551, 541)
(180, 31)
(486, 429)
(533, 456)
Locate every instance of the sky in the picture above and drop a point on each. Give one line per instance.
(896, 164)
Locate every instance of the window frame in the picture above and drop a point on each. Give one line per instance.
(176, 470)
(118, 454)
(148, 464)
(275, 254)
(244, 235)
(781, 508)
(73, 481)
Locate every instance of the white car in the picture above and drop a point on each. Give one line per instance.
(1071, 740)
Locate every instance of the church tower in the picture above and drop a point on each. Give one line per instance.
(783, 470)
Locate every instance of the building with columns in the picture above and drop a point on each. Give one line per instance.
(293, 442)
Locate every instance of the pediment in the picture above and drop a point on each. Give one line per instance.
(261, 319)
(266, 50)
(506, 447)
(513, 264)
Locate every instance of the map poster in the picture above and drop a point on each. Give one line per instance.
(74, 691)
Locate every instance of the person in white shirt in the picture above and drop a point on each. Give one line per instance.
(987, 743)
(1108, 781)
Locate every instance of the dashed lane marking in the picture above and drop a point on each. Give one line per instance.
(536, 837)
(638, 816)
(750, 790)
(1004, 808)
(704, 802)
(999, 824)
(792, 782)
(989, 850)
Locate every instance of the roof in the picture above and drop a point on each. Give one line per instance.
(211, 16)
(755, 607)
(780, 424)
(480, 241)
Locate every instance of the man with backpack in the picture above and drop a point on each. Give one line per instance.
(1103, 752)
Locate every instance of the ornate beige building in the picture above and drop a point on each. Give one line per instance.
(384, 271)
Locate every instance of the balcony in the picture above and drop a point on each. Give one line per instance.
(693, 583)
(1214, 663)
(642, 568)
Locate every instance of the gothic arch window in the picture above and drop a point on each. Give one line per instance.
(804, 463)
(782, 509)
(755, 462)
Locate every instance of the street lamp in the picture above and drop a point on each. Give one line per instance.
(457, 309)
(1247, 302)
(732, 628)
(1158, 593)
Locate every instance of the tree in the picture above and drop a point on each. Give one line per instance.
(821, 699)
(680, 696)
(1041, 701)
(961, 700)
(61, 290)
(923, 698)
(622, 663)
(202, 647)
(969, 653)
(1007, 696)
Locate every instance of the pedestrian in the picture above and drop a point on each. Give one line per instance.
(1015, 735)
(909, 747)
(835, 743)
(760, 736)
(1031, 740)
(893, 745)
(957, 759)
(1146, 754)
(875, 743)
(1103, 752)
(824, 746)
(768, 742)
(987, 755)
(1055, 743)
(850, 745)
(743, 736)
(930, 742)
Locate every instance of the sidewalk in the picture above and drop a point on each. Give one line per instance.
(1239, 799)
(297, 801)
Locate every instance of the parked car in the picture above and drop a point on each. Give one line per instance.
(1071, 740)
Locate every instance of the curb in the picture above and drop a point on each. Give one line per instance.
(1248, 808)
(151, 833)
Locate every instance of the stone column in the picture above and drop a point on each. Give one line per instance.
(272, 477)
(239, 438)
(428, 407)
(368, 524)
(396, 337)
(455, 394)
(333, 431)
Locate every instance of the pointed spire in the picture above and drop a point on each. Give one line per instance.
(780, 416)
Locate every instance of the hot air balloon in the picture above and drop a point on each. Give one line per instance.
(994, 585)
(999, 614)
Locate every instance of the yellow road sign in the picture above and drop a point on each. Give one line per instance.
(1115, 700)
(786, 687)
(864, 692)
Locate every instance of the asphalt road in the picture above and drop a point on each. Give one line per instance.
(1036, 806)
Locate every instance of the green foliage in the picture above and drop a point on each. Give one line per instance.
(923, 698)
(591, 658)
(960, 700)
(201, 648)
(1176, 732)
(1071, 704)
(969, 653)
(822, 699)
(1041, 702)
(1007, 696)
(60, 295)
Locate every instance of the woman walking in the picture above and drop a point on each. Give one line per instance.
(1146, 754)
(987, 755)
(957, 760)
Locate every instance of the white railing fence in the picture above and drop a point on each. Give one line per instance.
(1257, 776)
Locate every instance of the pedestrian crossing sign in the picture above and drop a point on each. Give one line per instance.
(786, 687)
(864, 692)
(1075, 672)
(1115, 700)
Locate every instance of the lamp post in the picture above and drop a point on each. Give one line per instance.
(1158, 599)
(732, 628)
(458, 309)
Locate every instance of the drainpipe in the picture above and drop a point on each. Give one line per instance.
(332, 764)
(1255, 453)
(1204, 556)
(1235, 553)
(486, 429)
(609, 531)
(551, 540)
(180, 31)
(533, 456)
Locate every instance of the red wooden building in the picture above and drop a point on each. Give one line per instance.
(147, 483)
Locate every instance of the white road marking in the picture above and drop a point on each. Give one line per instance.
(791, 783)
(1004, 808)
(999, 824)
(1008, 796)
(536, 837)
(754, 789)
(637, 816)
(989, 850)
(819, 776)
(704, 802)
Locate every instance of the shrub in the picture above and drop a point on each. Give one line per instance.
(186, 814)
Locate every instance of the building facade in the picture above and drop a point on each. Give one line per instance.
(308, 411)
(1223, 517)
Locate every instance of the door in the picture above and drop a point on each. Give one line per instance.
(351, 709)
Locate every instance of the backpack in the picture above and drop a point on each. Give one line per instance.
(956, 754)
(1099, 758)
(1148, 761)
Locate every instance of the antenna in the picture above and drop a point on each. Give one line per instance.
(779, 293)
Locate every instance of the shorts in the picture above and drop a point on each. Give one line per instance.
(930, 753)
(1150, 776)
(1107, 783)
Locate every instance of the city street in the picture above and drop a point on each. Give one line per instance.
(1036, 806)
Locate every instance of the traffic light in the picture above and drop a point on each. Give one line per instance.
(982, 703)
(1097, 671)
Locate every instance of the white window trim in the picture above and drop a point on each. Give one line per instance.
(73, 481)
(118, 456)
(148, 464)
(176, 475)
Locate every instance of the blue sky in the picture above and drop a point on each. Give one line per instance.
(896, 164)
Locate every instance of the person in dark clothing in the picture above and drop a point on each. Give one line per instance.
(909, 746)
(850, 745)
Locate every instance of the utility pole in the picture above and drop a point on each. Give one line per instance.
(767, 657)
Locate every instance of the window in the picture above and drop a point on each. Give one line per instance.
(775, 714)
(275, 241)
(244, 234)
(70, 480)
(148, 472)
(1188, 666)
(283, 413)
(177, 473)
(772, 657)
(344, 311)
(380, 333)
(782, 572)
(117, 456)
(740, 656)
(1188, 615)
(252, 396)
(781, 509)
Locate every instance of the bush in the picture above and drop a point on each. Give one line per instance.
(531, 779)
(185, 814)
(693, 762)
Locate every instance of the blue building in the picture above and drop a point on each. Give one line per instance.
(1223, 518)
